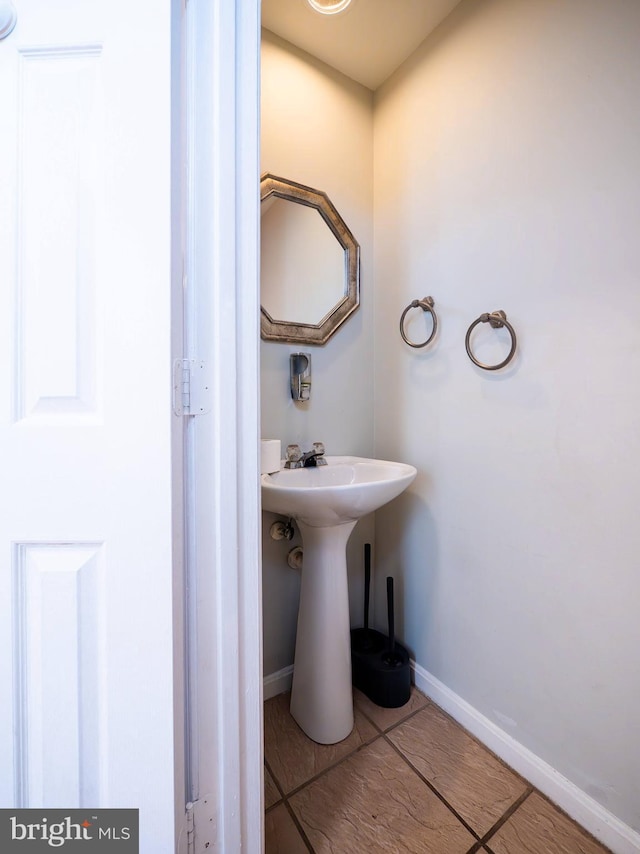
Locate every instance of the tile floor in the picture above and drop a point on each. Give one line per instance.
(405, 780)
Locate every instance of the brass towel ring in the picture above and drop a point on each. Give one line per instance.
(496, 319)
(426, 304)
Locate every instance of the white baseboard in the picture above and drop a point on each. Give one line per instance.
(277, 683)
(602, 824)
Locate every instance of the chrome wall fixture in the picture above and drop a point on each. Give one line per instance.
(496, 319)
(300, 375)
(8, 18)
(426, 304)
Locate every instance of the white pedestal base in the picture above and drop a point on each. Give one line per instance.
(321, 695)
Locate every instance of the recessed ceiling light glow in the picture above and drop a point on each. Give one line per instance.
(329, 7)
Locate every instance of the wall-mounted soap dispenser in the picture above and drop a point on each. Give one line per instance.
(300, 374)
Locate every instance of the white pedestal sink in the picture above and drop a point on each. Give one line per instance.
(327, 501)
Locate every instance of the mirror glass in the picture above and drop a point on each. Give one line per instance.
(309, 264)
(301, 277)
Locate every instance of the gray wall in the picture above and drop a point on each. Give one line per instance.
(507, 176)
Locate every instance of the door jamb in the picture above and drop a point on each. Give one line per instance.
(222, 298)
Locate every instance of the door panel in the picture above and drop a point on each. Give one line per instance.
(59, 169)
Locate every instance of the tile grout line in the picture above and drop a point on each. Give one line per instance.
(332, 766)
(505, 817)
(364, 743)
(288, 807)
(431, 703)
(434, 790)
(298, 825)
(397, 723)
(277, 785)
(379, 732)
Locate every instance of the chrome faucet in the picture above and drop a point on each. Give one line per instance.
(297, 460)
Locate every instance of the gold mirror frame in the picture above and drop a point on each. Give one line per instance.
(272, 329)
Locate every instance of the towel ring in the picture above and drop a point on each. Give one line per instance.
(496, 319)
(426, 304)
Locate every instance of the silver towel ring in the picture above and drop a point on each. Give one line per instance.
(496, 319)
(426, 304)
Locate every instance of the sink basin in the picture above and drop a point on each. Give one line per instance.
(327, 501)
(342, 491)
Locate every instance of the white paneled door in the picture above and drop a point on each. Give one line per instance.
(86, 674)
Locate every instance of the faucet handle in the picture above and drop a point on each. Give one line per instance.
(293, 453)
(318, 450)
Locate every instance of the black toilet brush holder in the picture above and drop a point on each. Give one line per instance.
(380, 666)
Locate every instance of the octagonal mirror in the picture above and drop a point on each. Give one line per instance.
(309, 264)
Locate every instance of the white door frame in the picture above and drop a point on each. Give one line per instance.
(223, 501)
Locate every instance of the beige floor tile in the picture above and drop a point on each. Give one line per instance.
(293, 757)
(281, 836)
(537, 827)
(373, 802)
(386, 718)
(467, 775)
(271, 793)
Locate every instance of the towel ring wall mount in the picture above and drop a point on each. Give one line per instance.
(426, 304)
(496, 319)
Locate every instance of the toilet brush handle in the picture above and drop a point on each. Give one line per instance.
(367, 582)
(392, 637)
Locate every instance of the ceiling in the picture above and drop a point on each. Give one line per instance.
(367, 42)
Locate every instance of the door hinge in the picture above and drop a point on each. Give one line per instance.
(191, 387)
(190, 829)
(205, 840)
